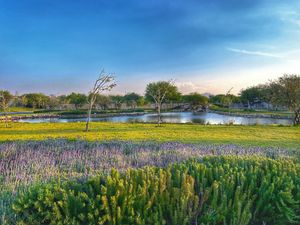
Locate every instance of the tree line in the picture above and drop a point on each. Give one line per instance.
(79, 100)
(282, 92)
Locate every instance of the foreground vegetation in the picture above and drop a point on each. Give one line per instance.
(25, 164)
(281, 136)
(214, 190)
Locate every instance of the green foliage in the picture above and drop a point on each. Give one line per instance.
(102, 101)
(195, 99)
(224, 100)
(161, 91)
(5, 98)
(133, 100)
(77, 99)
(217, 190)
(117, 100)
(35, 100)
(255, 94)
(285, 91)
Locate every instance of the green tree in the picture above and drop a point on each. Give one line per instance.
(117, 100)
(254, 94)
(5, 99)
(102, 101)
(77, 99)
(159, 92)
(132, 99)
(285, 91)
(196, 100)
(53, 102)
(36, 100)
(141, 101)
(216, 99)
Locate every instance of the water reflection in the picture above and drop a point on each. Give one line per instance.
(175, 117)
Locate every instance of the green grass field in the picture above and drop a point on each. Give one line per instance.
(19, 109)
(281, 136)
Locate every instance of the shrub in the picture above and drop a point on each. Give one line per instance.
(216, 190)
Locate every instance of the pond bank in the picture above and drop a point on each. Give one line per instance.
(252, 115)
(16, 117)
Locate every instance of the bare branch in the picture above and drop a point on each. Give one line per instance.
(105, 82)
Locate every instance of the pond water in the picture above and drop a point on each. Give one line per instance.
(172, 117)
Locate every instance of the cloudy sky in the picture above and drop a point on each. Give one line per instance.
(59, 46)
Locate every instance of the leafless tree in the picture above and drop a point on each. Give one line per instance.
(105, 82)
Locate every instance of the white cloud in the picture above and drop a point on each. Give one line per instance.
(258, 53)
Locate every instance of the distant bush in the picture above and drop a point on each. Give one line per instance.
(41, 111)
(249, 110)
(217, 190)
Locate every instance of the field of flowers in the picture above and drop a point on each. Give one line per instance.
(26, 163)
(214, 190)
(283, 136)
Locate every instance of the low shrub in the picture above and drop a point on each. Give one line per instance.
(216, 190)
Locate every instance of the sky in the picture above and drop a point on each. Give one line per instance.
(60, 46)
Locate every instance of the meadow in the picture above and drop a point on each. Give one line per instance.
(60, 158)
(258, 135)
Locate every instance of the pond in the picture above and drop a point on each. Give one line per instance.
(172, 117)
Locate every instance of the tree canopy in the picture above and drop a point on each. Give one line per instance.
(254, 94)
(133, 99)
(5, 98)
(36, 100)
(285, 91)
(195, 100)
(77, 99)
(159, 92)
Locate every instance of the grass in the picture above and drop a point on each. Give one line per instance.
(19, 109)
(252, 111)
(276, 136)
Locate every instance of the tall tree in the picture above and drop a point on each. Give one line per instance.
(254, 94)
(102, 101)
(5, 98)
(158, 92)
(226, 100)
(77, 99)
(132, 99)
(285, 91)
(195, 100)
(117, 100)
(105, 82)
(36, 100)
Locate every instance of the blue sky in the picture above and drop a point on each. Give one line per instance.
(59, 46)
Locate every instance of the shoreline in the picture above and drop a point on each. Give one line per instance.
(251, 115)
(16, 117)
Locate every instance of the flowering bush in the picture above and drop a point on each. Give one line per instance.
(25, 163)
(215, 190)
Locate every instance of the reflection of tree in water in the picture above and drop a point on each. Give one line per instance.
(135, 120)
(199, 121)
(198, 118)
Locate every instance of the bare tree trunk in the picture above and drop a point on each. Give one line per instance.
(158, 114)
(88, 118)
(297, 117)
(6, 120)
